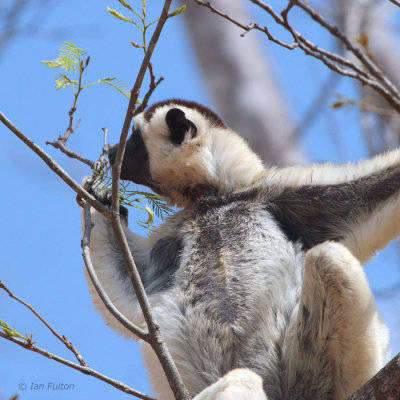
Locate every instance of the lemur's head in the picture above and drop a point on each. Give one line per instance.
(183, 151)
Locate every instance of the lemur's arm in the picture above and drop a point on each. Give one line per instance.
(363, 214)
(330, 174)
(156, 261)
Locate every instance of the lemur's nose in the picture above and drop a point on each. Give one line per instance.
(112, 154)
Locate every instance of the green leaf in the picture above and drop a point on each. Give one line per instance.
(70, 56)
(63, 81)
(152, 22)
(150, 220)
(132, 198)
(126, 5)
(178, 11)
(60, 83)
(118, 15)
(117, 85)
(52, 63)
(10, 331)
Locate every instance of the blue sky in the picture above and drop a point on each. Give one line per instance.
(41, 259)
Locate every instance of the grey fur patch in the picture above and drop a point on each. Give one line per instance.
(159, 273)
(119, 262)
(314, 214)
(164, 261)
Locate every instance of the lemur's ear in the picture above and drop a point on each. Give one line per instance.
(179, 125)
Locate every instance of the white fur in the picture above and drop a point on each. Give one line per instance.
(360, 337)
(328, 174)
(375, 231)
(239, 384)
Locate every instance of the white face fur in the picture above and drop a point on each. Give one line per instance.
(210, 156)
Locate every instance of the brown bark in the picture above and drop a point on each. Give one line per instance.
(385, 385)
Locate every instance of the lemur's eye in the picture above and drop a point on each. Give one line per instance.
(179, 125)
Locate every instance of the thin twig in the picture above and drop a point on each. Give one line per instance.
(106, 147)
(247, 28)
(85, 244)
(153, 85)
(86, 370)
(289, 46)
(157, 342)
(336, 32)
(102, 162)
(55, 167)
(71, 129)
(60, 144)
(63, 339)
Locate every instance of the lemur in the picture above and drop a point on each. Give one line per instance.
(261, 267)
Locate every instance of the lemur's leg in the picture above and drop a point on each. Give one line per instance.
(338, 332)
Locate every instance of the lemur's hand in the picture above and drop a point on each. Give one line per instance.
(103, 194)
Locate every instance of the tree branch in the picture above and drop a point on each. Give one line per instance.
(385, 385)
(153, 85)
(395, 2)
(84, 369)
(55, 167)
(365, 60)
(63, 339)
(59, 144)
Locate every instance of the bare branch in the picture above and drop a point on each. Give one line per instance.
(372, 76)
(63, 339)
(55, 167)
(106, 147)
(365, 60)
(247, 28)
(221, 14)
(384, 385)
(395, 2)
(96, 283)
(84, 369)
(59, 144)
(153, 85)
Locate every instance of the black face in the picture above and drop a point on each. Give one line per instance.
(135, 165)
